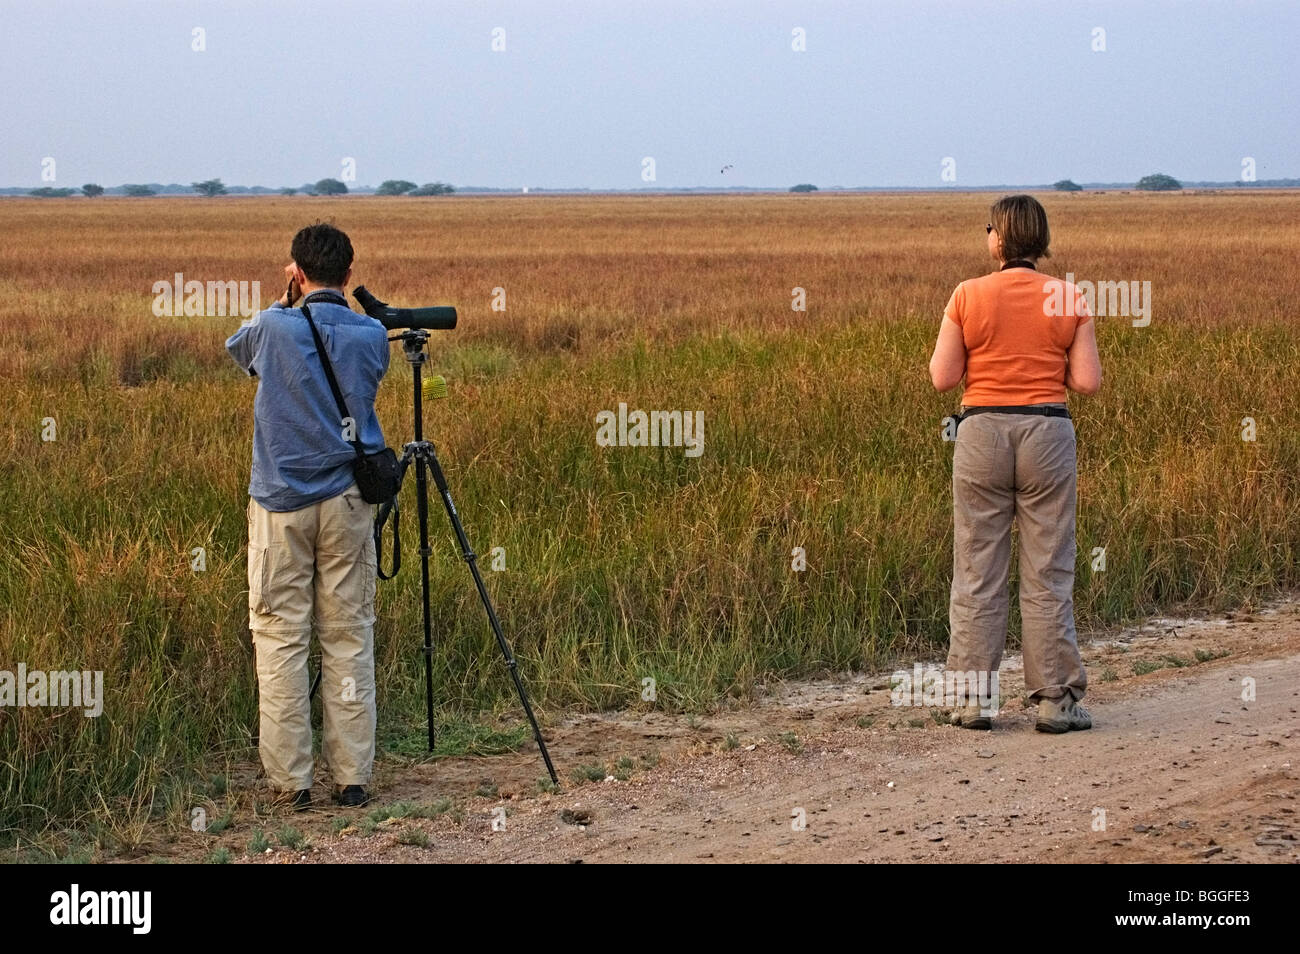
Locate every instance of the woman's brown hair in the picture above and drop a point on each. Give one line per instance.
(1021, 224)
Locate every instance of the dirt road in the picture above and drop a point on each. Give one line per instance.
(1181, 766)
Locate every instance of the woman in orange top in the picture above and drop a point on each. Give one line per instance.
(1020, 339)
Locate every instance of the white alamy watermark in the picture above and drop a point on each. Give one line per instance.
(195, 299)
(651, 429)
(1105, 300)
(56, 688)
(944, 688)
(74, 906)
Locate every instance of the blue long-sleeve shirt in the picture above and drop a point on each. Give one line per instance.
(300, 455)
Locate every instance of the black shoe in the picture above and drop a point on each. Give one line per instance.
(352, 796)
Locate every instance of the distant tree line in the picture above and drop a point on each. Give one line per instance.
(211, 188)
(1157, 182)
(406, 187)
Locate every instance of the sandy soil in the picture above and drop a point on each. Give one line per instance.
(1183, 768)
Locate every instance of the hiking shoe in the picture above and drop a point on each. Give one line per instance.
(1062, 715)
(352, 796)
(972, 717)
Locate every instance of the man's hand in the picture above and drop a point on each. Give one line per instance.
(292, 293)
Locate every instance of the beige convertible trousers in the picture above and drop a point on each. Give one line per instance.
(1021, 466)
(314, 565)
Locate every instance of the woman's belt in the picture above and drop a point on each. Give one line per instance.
(1016, 409)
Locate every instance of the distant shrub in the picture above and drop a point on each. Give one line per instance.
(804, 187)
(1067, 185)
(1159, 182)
(209, 187)
(433, 188)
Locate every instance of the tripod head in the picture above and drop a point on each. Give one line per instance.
(413, 341)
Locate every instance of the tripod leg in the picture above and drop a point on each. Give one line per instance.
(422, 508)
(472, 560)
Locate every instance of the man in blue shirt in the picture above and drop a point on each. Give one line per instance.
(311, 549)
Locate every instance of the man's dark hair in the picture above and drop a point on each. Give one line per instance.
(323, 252)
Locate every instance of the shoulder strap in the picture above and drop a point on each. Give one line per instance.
(329, 375)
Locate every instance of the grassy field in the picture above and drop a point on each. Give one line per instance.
(821, 432)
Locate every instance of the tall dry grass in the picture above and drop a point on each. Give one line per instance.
(821, 431)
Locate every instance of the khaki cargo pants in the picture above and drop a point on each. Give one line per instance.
(314, 565)
(1021, 466)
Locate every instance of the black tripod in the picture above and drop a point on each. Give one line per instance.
(426, 460)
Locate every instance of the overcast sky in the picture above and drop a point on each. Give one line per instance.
(283, 92)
